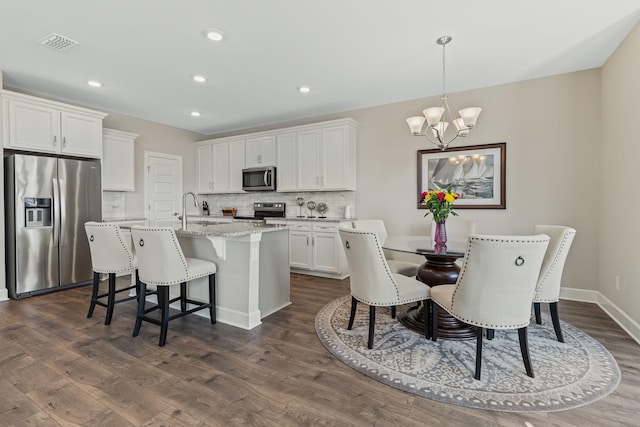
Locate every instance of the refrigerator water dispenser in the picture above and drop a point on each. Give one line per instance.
(37, 212)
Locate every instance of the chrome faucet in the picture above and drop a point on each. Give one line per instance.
(184, 207)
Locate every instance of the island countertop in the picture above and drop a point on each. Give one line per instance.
(232, 229)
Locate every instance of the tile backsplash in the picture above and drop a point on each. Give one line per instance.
(336, 202)
(113, 204)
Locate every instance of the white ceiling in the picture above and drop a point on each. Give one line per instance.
(352, 53)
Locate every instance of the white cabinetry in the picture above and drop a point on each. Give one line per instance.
(314, 248)
(260, 151)
(35, 124)
(286, 162)
(326, 158)
(219, 166)
(322, 157)
(118, 160)
(316, 157)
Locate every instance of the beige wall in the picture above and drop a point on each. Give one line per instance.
(552, 130)
(157, 138)
(617, 202)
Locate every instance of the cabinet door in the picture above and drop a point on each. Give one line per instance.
(33, 127)
(286, 162)
(333, 158)
(300, 249)
(81, 134)
(308, 171)
(236, 164)
(261, 151)
(221, 167)
(325, 252)
(204, 168)
(117, 161)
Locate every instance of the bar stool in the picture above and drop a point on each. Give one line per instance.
(161, 263)
(110, 254)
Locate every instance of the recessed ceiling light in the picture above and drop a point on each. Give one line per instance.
(195, 114)
(215, 35)
(304, 89)
(94, 83)
(199, 78)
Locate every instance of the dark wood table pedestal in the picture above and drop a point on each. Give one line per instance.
(438, 269)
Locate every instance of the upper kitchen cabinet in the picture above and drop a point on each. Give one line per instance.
(260, 151)
(36, 124)
(326, 157)
(219, 166)
(286, 162)
(118, 160)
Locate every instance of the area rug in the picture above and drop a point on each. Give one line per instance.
(567, 375)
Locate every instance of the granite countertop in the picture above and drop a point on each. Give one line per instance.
(316, 219)
(234, 229)
(123, 219)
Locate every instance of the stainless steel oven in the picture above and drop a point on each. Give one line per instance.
(259, 179)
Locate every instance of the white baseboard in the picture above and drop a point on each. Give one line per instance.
(4, 294)
(618, 315)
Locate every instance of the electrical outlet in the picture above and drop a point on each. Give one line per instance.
(617, 283)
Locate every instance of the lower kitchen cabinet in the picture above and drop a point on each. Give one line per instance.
(315, 248)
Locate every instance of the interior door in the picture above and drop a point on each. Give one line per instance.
(163, 183)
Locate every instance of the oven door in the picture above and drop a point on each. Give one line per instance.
(259, 179)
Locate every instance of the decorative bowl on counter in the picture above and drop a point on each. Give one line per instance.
(229, 211)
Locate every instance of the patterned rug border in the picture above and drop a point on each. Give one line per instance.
(602, 379)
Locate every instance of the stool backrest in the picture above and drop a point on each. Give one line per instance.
(498, 279)
(160, 258)
(548, 288)
(110, 250)
(370, 279)
(376, 225)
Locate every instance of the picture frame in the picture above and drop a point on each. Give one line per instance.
(475, 172)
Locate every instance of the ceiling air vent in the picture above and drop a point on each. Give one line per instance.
(57, 42)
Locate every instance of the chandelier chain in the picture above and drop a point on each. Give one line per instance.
(444, 78)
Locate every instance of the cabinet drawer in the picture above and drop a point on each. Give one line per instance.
(299, 226)
(325, 227)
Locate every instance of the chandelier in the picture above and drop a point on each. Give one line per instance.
(438, 118)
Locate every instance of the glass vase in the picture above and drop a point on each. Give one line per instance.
(440, 237)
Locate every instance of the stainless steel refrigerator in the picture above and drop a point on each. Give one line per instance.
(47, 202)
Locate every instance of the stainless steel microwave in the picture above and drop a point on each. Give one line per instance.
(259, 179)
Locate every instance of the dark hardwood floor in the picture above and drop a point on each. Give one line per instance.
(59, 368)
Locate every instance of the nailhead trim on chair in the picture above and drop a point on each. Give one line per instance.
(125, 247)
(469, 321)
(184, 261)
(386, 268)
(554, 264)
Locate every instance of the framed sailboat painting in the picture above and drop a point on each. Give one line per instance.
(476, 173)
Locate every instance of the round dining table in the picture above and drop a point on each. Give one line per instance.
(439, 268)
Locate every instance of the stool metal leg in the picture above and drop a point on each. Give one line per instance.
(163, 301)
(183, 297)
(111, 298)
(141, 301)
(212, 298)
(94, 293)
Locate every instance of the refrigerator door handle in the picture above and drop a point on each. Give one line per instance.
(62, 194)
(56, 212)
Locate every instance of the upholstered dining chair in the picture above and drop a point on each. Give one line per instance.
(110, 254)
(161, 263)
(494, 288)
(405, 268)
(548, 287)
(372, 282)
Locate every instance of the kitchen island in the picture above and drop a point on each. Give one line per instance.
(252, 277)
